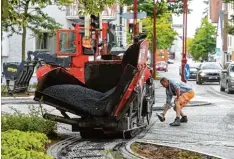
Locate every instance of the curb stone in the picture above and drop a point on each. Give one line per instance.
(17, 98)
(128, 147)
(200, 103)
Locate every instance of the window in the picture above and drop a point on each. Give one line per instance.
(232, 68)
(66, 42)
(210, 66)
(42, 41)
(230, 41)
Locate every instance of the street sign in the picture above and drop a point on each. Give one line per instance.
(218, 52)
(186, 72)
(140, 15)
(177, 25)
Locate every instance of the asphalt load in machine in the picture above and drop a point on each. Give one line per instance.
(81, 97)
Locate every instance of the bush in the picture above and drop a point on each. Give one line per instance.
(24, 145)
(3, 88)
(27, 122)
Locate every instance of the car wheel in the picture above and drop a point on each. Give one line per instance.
(228, 89)
(221, 88)
(199, 81)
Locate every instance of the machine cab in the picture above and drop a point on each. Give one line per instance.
(73, 42)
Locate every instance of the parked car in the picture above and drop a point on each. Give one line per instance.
(170, 61)
(162, 66)
(208, 72)
(227, 79)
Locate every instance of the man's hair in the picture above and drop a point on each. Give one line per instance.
(163, 79)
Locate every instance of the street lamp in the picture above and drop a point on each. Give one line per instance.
(154, 37)
(134, 18)
(184, 58)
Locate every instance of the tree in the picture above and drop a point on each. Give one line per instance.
(165, 35)
(189, 42)
(95, 6)
(206, 10)
(23, 14)
(204, 41)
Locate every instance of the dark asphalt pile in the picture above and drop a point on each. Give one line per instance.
(82, 98)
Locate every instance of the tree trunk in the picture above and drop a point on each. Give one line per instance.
(24, 30)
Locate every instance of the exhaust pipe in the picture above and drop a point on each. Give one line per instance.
(60, 119)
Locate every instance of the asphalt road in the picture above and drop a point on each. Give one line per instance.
(210, 128)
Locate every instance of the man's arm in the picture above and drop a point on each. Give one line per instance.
(169, 99)
(177, 93)
(167, 106)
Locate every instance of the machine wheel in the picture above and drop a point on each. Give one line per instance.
(149, 113)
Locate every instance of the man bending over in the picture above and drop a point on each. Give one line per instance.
(183, 93)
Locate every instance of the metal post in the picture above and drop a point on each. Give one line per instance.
(135, 19)
(154, 40)
(184, 58)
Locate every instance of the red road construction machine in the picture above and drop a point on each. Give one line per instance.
(115, 96)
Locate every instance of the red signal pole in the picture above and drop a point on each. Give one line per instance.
(154, 39)
(135, 18)
(184, 57)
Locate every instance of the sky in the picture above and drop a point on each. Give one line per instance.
(194, 18)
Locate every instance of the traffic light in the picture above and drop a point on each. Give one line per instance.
(95, 22)
(130, 28)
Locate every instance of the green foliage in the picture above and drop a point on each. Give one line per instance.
(27, 122)
(165, 34)
(95, 6)
(24, 145)
(189, 42)
(204, 41)
(162, 7)
(28, 13)
(129, 38)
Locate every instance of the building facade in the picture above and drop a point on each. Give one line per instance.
(219, 16)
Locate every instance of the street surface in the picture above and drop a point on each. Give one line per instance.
(210, 128)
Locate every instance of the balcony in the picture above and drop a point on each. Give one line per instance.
(72, 11)
(108, 14)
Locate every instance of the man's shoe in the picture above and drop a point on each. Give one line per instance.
(184, 119)
(176, 122)
(161, 117)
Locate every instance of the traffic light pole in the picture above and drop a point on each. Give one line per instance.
(184, 58)
(134, 18)
(154, 40)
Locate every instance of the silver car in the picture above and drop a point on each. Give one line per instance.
(227, 79)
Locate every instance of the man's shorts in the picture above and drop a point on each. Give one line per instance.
(185, 98)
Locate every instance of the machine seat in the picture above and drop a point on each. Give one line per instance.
(81, 100)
